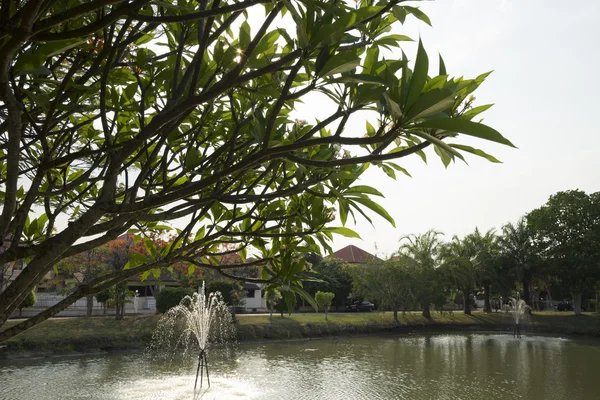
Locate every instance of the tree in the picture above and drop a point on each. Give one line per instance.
(272, 297)
(567, 230)
(84, 267)
(323, 300)
(460, 267)
(519, 254)
(388, 282)
(331, 275)
(422, 255)
(470, 262)
(104, 297)
(169, 297)
(231, 291)
(29, 301)
(123, 116)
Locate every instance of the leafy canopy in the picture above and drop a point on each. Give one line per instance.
(121, 116)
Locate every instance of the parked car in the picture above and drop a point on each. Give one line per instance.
(359, 306)
(566, 305)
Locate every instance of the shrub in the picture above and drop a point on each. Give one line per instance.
(170, 297)
(29, 301)
(232, 292)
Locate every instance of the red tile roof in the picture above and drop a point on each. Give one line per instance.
(354, 255)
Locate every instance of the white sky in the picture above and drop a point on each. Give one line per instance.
(545, 87)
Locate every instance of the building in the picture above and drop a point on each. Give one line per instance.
(354, 255)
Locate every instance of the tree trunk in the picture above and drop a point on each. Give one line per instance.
(487, 306)
(467, 301)
(396, 314)
(426, 311)
(89, 305)
(577, 303)
(526, 294)
(326, 316)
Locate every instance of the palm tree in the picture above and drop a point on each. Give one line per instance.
(422, 255)
(519, 254)
(471, 262)
(460, 267)
(487, 254)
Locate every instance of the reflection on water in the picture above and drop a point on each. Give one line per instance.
(408, 367)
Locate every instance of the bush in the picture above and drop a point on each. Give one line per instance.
(29, 301)
(170, 297)
(232, 292)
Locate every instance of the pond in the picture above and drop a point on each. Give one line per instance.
(454, 366)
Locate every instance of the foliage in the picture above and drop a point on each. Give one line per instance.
(330, 275)
(324, 299)
(105, 296)
(567, 231)
(123, 116)
(170, 297)
(421, 253)
(231, 291)
(519, 254)
(469, 263)
(272, 297)
(390, 283)
(29, 301)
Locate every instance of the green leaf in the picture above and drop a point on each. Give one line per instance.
(347, 232)
(371, 59)
(302, 293)
(442, 66)
(400, 13)
(477, 152)
(333, 33)
(419, 76)
(470, 114)
(376, 208)
(192, 159)
(392, 106)
(431, 103)
(150, 247)
(466, 127)
(339, 63)
(418, 14)
(245, 36)
(438, 142)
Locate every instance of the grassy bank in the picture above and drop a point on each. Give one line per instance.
(64, 335)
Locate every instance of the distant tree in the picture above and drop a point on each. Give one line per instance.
(470, 262)
(332, 276)
(169, 297)
(567, 229)
(231, 291)
(390, 283)
(519, 254)
(29, 301)
(460, 268)
(422, 255)
(324, 300)
(104, 297)
(84, 267)
(272, 297)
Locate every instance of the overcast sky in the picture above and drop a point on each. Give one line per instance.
(545, 86)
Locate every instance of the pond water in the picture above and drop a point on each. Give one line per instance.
(465, 366)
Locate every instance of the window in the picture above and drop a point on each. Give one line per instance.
(250, 293)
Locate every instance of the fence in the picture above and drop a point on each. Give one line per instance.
(136, 305)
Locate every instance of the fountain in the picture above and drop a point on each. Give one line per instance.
(518, 308)
(193, 325)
